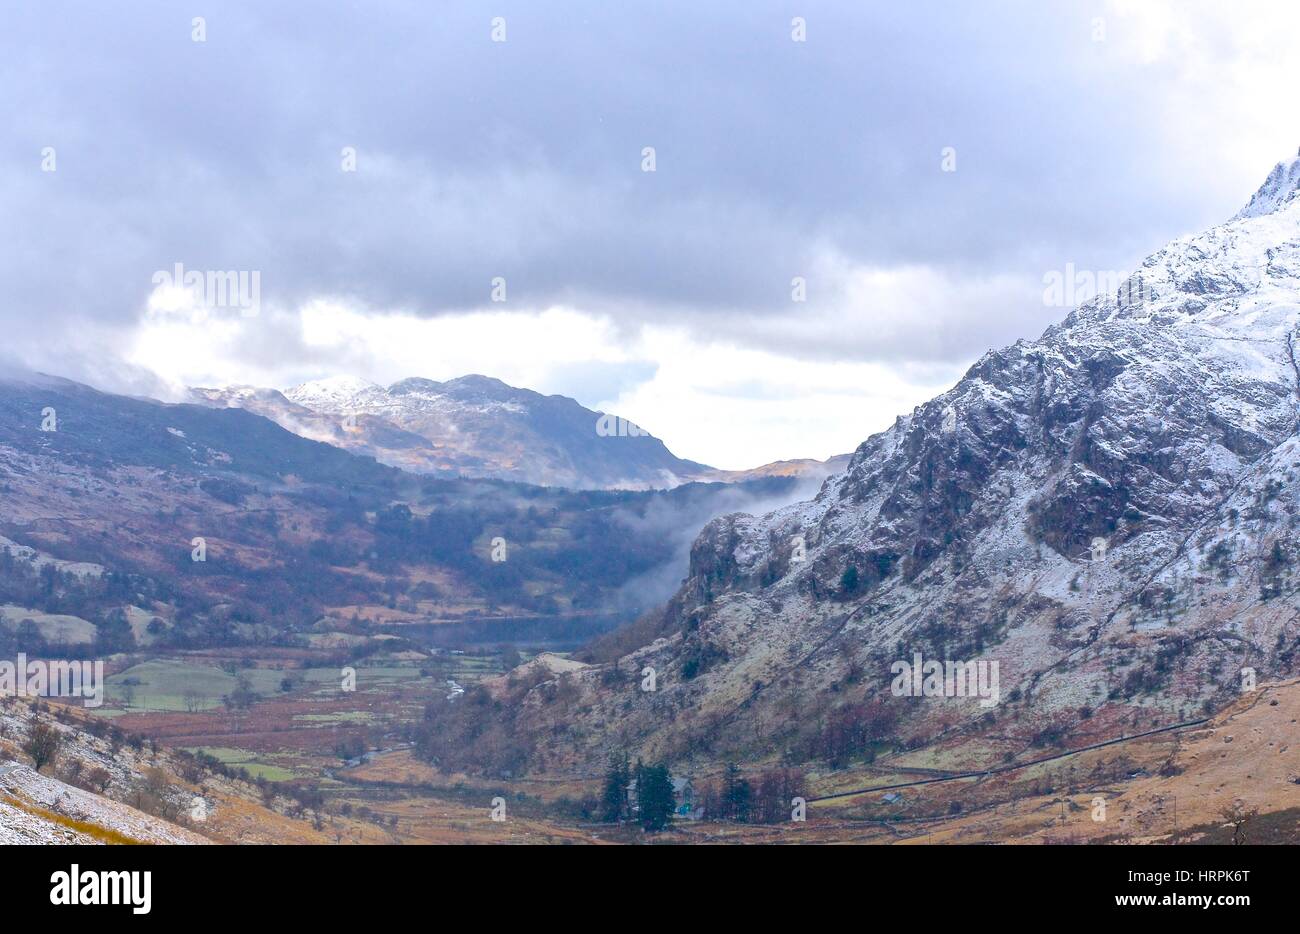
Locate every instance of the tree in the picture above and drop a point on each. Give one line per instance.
(654, 796)
(774, 795)
(43, 743)
(1239, 816)
(99, 778)
(510, 657)
(113, 633)
(849, 580)
(350, 747)
(242, 697)
(613, 799)
(737, 794)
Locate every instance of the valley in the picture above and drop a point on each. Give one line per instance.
(1097, 527)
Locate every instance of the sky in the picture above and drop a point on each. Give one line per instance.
(849, 203)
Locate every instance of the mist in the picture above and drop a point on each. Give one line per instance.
(681, 522)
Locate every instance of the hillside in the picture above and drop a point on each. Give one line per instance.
(107, 786)
(1108, 513)
(132, 522)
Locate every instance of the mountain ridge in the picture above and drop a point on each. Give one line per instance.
(480, 426)
(1108, 512)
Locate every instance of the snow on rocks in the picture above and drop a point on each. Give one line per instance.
(1109, 511)
(23, 785)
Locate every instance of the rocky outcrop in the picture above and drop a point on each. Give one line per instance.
(1109, 512)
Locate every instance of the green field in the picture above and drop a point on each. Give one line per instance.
(344, 716)
(162, 684)
(247, 760)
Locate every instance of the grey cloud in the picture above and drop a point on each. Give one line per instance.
(521, 159)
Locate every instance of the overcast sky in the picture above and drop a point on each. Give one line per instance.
(1082, 133)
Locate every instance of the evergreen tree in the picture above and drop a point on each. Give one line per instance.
(655, 799)
(737, 794)
(613, 800)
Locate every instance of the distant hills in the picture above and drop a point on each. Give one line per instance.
(108, 498)
(477, 426)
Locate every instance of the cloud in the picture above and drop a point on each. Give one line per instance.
(522, 160)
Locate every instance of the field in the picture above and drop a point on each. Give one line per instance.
(279, 713)
(52, 626)
(188, 685)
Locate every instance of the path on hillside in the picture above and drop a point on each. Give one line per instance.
(981, 773)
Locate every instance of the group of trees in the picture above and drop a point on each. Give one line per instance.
(645, 793)
(767, 798)
(46, 589)
(600, 553)
(642, 792)
(475, 733)
(848, 732)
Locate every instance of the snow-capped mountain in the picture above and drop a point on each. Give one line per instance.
(476, 426)
(1109, 513)
(337, 394)
(473, 426)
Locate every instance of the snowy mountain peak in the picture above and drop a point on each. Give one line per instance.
(335, 393)
(1278, 190)
(1107, 511)
(474, 426)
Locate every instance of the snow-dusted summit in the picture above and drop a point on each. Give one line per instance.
(336, 394)
(1110, 513)
(473, 426)
(1278, 190)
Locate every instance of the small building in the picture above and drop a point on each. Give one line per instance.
(684, 796)
(684, 806)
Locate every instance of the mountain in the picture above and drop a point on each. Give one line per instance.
(105, 497)
(473, 426)
(802, 467)
(1107, 513)
(476, 426)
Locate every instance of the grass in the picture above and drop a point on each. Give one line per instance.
(1274, 828)
(343, 716)
(161, 684)
(247, 760)
(102, 834)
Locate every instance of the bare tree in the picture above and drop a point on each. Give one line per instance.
(99, 778)
(43, 742)
(1239, 816)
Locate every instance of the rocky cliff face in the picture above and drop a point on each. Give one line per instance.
(1108, 512)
